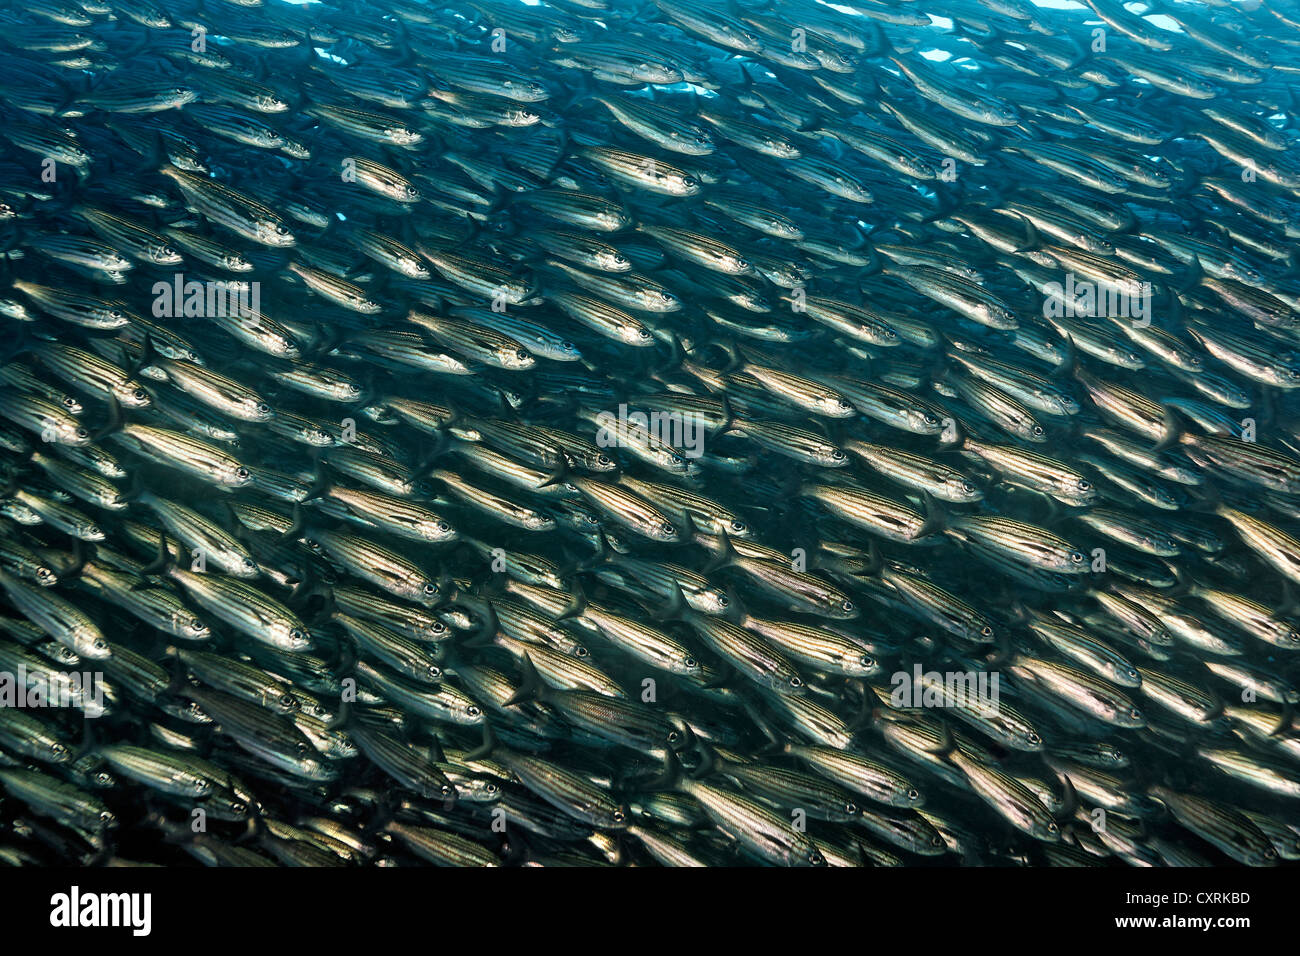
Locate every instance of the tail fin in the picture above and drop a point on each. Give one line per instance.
(532, 688)
(726, 557)
(163, 561)
(936, 517)
(1175, 426)
(115, 419)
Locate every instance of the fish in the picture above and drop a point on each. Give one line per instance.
(595, 433)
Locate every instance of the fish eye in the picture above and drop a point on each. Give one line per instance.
(581, 651)
(929, 419)
(473, 710)
(1052, 827)
(1085, 484)
(139, 394)
(1037, 430)
(263, 408)
(82, 433)
(986, 631)
(677, 460)
(288, 701)
(618, 816)
(491, 788)
(644, 334)
(668, 529)
(1076, 557)
(521, 355)
(738, 525)
(967, 487)
(43, 573)
(724, 601)
(434, 672)
(1033, 738)
(297, 634)
(1135, 714)
(796, 681)
(691, 662)
(604, 460)
(242, 473)
(105, 817)
(673, 736)
(430, 588)
(196, 624)
(847, 606)
(568, 347)
(837, 455)
(443, 526)
(249, 563)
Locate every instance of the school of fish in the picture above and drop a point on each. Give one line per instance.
(678, 433)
